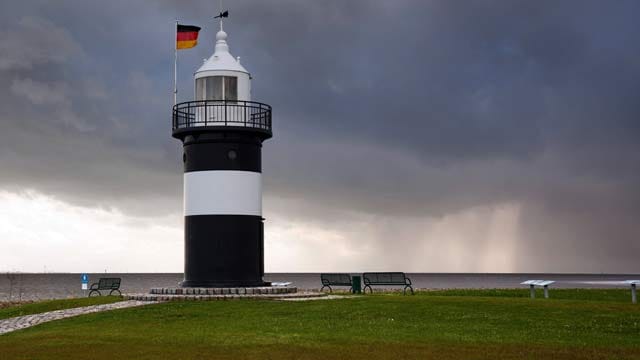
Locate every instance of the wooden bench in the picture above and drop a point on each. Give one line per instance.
(111, 284)
(386, 278)
(329, 280)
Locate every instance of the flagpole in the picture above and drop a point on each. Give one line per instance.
(175, 66)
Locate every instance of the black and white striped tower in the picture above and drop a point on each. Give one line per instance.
(222, 132)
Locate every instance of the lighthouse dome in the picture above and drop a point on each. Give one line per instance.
(221, 60)
(221, 77)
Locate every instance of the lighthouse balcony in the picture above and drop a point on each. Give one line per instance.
(205, 115)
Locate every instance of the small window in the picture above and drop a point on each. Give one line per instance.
(230, 88)
(200, 90)
(217, 88)
(214, 88)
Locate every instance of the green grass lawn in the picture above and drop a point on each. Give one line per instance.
(480, 324)
(609, 295)
(51, 305)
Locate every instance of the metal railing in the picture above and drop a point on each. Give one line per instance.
(220, 113)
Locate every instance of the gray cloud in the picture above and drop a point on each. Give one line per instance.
(403, 111)
(33, 41)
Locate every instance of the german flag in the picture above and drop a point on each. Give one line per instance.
(186, 36)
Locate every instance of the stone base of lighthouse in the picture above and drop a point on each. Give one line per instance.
(224, 293)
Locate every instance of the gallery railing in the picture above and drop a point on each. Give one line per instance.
(219, 113)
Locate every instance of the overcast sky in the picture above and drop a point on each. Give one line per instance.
(432, 136)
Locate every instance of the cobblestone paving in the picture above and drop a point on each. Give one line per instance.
(310, 298)
(22, 322)
(196, 297)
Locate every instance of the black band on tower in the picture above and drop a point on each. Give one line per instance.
(223, 154)
(232, 254)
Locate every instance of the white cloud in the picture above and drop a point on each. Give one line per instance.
(482, 239)
(38, 232)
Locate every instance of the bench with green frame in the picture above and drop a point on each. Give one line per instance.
(329, 280)
(111, 284)
(386, 278)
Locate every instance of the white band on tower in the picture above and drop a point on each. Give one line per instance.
(222, 192)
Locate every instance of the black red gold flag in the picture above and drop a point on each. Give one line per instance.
(187, 36)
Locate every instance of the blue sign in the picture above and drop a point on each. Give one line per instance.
(85, 278)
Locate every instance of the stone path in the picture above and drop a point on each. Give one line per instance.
(22, 322)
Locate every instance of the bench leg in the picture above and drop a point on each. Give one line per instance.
(532, 290)
(111, 292)
(94, 291)
(326, 286)
(404, 292)
(364, 289)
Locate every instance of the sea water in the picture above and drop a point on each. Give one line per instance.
(33, 286)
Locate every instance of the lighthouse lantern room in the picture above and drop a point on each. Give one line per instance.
(222, 77)
(222, 132)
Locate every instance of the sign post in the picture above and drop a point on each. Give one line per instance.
(84, 280)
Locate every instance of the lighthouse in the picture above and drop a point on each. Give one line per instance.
(222, 132)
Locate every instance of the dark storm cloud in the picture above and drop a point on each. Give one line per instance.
(400, 109)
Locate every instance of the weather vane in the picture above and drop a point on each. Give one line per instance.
(224, 14)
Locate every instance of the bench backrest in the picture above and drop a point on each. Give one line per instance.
(109, 283)
(384, 278)
(335, 279)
